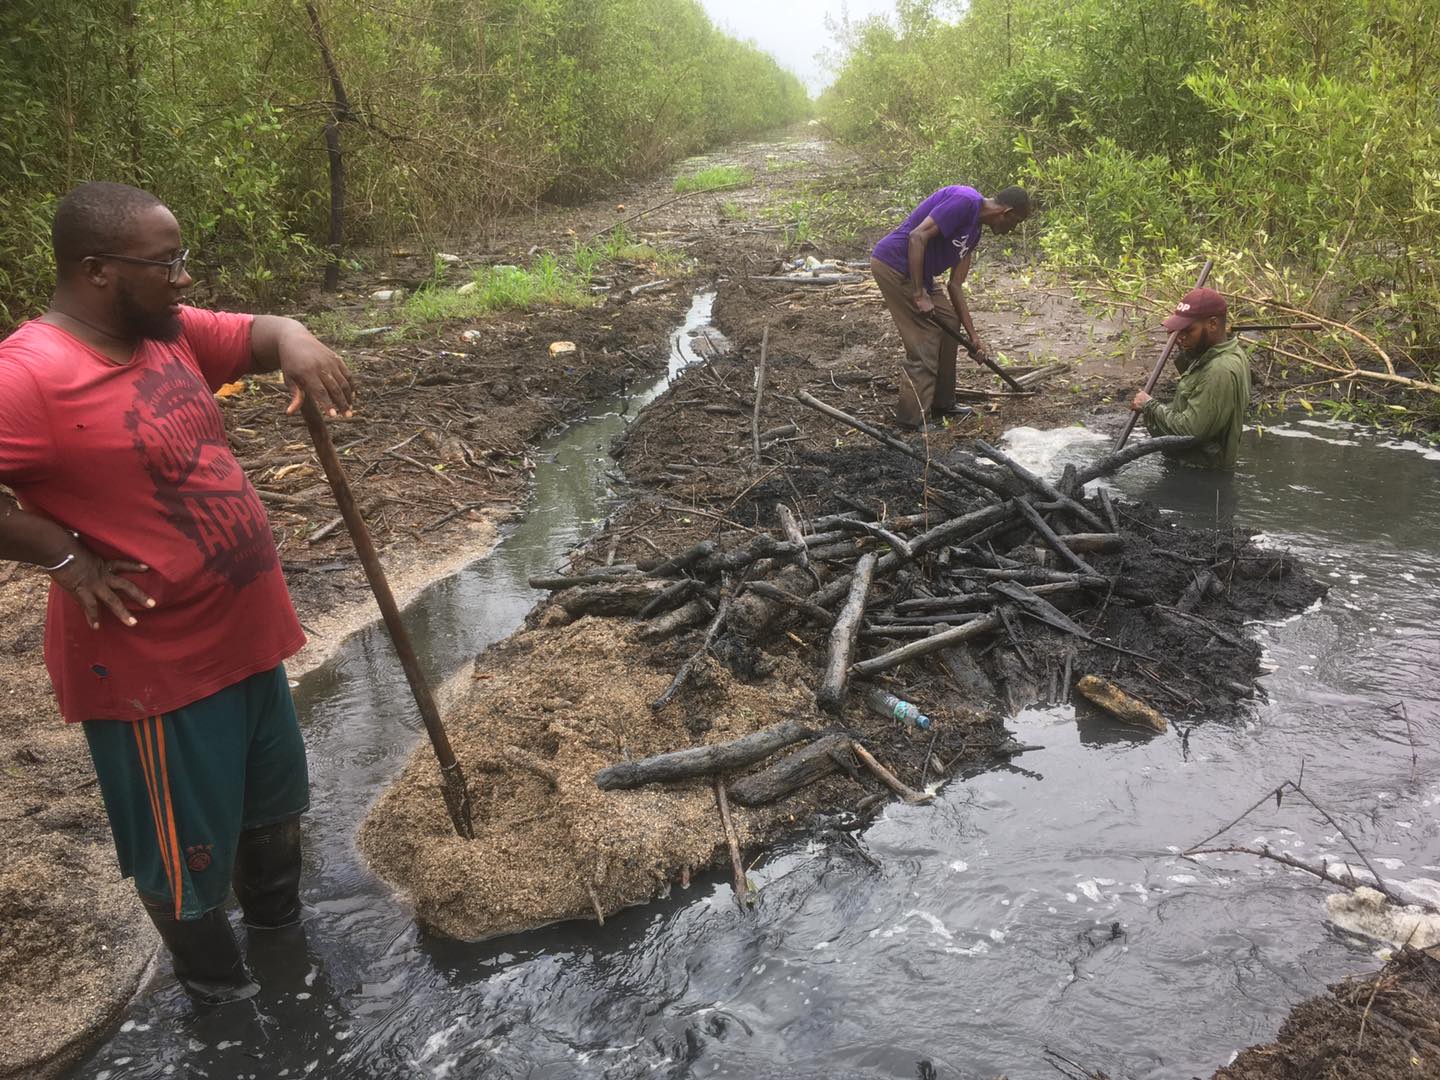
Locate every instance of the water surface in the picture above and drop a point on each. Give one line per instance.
(1041, 905)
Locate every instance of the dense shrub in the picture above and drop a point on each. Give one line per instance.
(1297, 138)
(458, 108)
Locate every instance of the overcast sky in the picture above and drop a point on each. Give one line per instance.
(792, 31)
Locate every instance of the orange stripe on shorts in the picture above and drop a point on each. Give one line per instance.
(147, 768)
(170, 814)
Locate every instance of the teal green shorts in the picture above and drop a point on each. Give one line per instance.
(181, 787)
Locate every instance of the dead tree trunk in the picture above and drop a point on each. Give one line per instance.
(339, 113)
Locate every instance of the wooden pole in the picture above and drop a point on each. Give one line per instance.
(759, 393)
(1160, 364)
(831, 696)
(452, 778)
(732, 841)
(977, 356)
(961, 474)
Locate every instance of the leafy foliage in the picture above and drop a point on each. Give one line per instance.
(459, 108)
(1294, 140)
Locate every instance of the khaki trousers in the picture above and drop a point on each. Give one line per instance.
(927, 383)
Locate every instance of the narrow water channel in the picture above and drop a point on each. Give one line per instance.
(1042, 905)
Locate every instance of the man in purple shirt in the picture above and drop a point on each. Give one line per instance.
(940, 234)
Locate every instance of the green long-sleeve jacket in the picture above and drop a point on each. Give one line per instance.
(1210, 401)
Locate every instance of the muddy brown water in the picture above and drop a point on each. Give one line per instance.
(1041, 905)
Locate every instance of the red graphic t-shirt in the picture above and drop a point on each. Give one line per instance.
(134, 458)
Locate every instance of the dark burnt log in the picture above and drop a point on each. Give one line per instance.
(1053, 541)
(891, 632)
(1040, 485)
(762, 547)
(600, 575)
(897, 545)
(1110, 462)
(670, 596)
(678, 564)
(963, 602)
(790, 600)
(791, 773)
(846, 551)
(674, 622)
(831, 696)
(757, 607)
(615, 598)
(701, 760)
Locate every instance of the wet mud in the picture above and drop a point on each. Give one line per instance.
(1375, 1027)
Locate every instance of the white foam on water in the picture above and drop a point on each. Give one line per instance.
(1429, 453)
(1046, 452)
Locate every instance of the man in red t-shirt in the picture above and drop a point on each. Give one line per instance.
(168, 619)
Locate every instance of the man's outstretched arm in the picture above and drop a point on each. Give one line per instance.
(310, 368)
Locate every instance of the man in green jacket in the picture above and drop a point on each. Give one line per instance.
(1214, 388)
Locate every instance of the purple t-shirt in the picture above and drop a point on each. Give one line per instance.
(956, 209)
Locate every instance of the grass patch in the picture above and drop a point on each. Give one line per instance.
(619, 246)
(774, 165)
(714, 178)
(548, 282)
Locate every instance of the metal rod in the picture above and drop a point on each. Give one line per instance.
(452, 778)
(976, 355)
(1160, 364)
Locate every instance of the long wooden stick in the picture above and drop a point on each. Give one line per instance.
(831, 696)
(732, 841)
(961, 475)
(759, 393)
(889, 779)
(452, 777)
(979, 357)
(926, 646)
(1040, 484)
(1160, 364)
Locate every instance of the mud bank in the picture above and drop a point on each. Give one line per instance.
(1375, 1027)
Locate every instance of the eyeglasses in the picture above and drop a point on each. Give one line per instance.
(176, 266)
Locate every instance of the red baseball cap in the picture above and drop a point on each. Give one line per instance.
(1195, 305)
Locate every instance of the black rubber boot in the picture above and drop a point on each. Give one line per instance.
(204, 954)
(267, 875)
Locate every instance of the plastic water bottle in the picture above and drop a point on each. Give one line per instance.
(891, 706)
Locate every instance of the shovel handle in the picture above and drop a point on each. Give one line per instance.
(1159, 365)
(975, 354)
(456, 795)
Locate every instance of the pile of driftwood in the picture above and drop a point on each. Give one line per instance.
(837, 572)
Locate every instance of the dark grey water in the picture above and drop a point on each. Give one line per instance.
(1033, 907)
